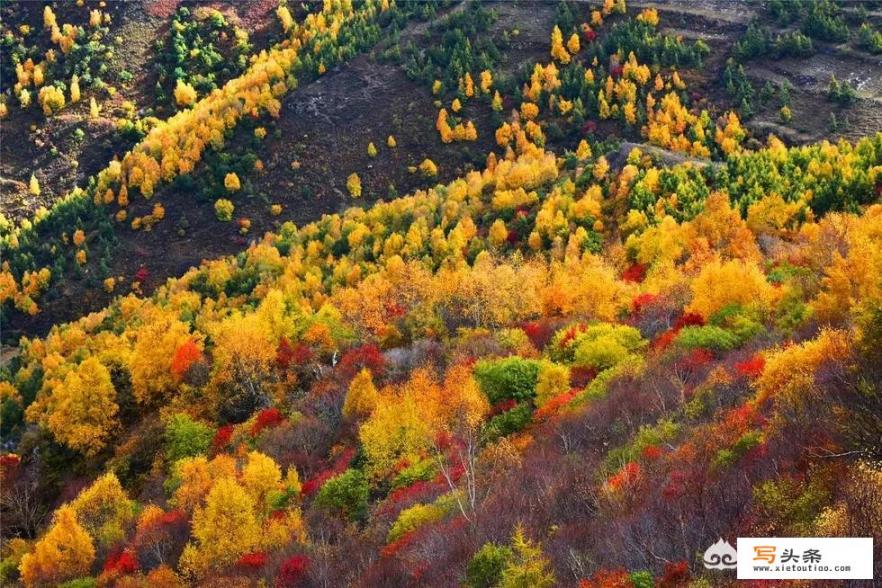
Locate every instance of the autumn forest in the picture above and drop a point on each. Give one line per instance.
(435, 293)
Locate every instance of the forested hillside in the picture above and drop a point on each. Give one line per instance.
(380, 293)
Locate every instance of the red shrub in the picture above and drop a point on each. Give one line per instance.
(444, 440)
(503, 406)
(675, 487)
(589, 127)
(284, 353)
(267, 418)
(641, 301)
(571, 334)
(287, 354)
(394, 310)
(652, 452)
(418, 489)
(392, 549)
(9, 463)
(690, 319)
(366, 356)
(589, 35)
(751, 368)
(252, 561)
(142, 274)
(342, 462)
(185, 356)
(293, 572)
(696, 359)
(608, 579)
(173, 517)
(740, 418)
(635, 273)
(629, 475)
(455, 473)
(121, 562)
(616, 71)
(301, 354)
(554, 404)
(222, 437)
(581, 376)
(315, 483)
(676, 574)
(539, 333)
(664, 340)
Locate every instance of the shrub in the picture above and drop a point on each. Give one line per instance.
(121, 562)
(80, 583)
(293, 572)
(366, 356)
(265, 419)
(869, 38)
(422, 470)
(509, 378)
(841, 92)
(485, 568)
(743, 323)
(553, 379)
(647, 436)
(720, 284)
(252, 561)
(418, 515)
(185, 437)
(751, 367)
(347, 494)
(728, 456)
(223, 210)
(353, 185)
(185, 94)
(605, 345)
(707, 337)
(508, 422)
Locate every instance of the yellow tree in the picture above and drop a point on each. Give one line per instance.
(461, 406)
(198, 475)
(558, 51)
(361, 399)
(81, 410)
(150, 364)
(260, 476)
(244, 352)
(75, 89)
(398, 429)
(104, 510)
(224, 529)
(231, 182)
(528, 565)
(185, 94)
(720, 284)
(63, 553)
(353, 185)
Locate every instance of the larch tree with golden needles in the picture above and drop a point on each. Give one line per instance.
(361, 399)
(224, 529)
(105, 510)
(80, 411)
(156, 345)
(63, 553)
